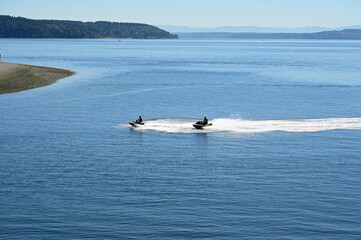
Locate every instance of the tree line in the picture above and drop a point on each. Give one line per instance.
(18, 27)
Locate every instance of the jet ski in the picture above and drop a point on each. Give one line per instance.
(201, 125)
(135, 123)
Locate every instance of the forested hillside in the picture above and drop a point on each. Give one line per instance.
(18, 27)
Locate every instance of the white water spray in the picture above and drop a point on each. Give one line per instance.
(249, 126)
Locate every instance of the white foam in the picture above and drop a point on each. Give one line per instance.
(249, 126)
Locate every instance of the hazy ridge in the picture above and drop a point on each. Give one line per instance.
(347, 34)
(255, 29)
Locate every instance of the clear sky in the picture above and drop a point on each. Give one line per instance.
(194, 13)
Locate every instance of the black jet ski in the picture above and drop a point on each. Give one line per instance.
(135, 123)
(201, 125)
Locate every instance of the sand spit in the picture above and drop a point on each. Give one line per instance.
(19, 77)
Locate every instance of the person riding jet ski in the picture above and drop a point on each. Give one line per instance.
(202, 124)
(205, 121)
(139, 121)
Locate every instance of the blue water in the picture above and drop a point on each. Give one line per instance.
(282, 161)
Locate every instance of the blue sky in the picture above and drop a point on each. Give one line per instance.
(194, 13)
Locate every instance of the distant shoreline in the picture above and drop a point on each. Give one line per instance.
(19, 27)
(16, 77)
(346, 34)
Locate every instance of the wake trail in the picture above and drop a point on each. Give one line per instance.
(248, 126)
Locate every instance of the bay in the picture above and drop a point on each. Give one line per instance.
(282, 160)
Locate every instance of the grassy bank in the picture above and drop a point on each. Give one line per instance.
(18, 77)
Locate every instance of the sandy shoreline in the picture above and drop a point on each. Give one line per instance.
(19, 77)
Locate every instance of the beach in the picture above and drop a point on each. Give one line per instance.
(19, 77)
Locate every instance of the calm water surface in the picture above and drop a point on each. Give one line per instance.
(283, 160)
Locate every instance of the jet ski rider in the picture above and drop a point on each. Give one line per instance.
(139, 120)
(205, 121)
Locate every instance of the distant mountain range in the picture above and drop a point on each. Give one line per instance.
(248, 29)
(346, 34)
